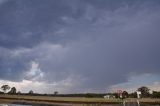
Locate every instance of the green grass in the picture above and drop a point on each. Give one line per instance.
(37, 100)
(83, 99)
(16, 98)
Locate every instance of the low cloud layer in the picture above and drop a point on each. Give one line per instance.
(78, 46)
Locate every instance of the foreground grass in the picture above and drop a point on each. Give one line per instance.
(71, 101)
(83, 99)
(68, 101)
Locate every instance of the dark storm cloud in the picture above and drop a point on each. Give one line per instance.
(12, 65)
(33, 18)
(94, 43)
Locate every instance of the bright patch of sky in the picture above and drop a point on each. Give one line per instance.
(148, 80)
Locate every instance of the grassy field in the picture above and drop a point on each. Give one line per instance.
(61, 98)
(69, 101)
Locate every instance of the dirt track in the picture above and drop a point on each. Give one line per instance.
(60, 101)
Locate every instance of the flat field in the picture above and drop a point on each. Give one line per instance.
(70, 101)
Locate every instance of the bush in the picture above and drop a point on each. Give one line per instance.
(156, 94)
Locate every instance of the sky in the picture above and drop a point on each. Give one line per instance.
(79, 46)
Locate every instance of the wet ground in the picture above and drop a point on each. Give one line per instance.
(25, 105)
(119, 104)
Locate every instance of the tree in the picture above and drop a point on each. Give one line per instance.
(56, 92)
(133, 95)
(125, 94)
(30, 92)
(155, 94)
(19, 92)
(12, 91)
(144, 91)
(1, 92)
(89, 95)
(5, 88)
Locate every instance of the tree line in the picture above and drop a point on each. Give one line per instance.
(11, 90)
(145, 93)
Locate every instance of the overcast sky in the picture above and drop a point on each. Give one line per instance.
(77, 46)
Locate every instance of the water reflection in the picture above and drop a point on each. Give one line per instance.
(13, 105)
(27, 105)
(131, 103)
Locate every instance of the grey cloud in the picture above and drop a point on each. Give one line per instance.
(106, 55)
(35, 18)
(12, 65)
(94, 43)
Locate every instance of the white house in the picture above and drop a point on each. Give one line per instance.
(109, 96)
(138, 94)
